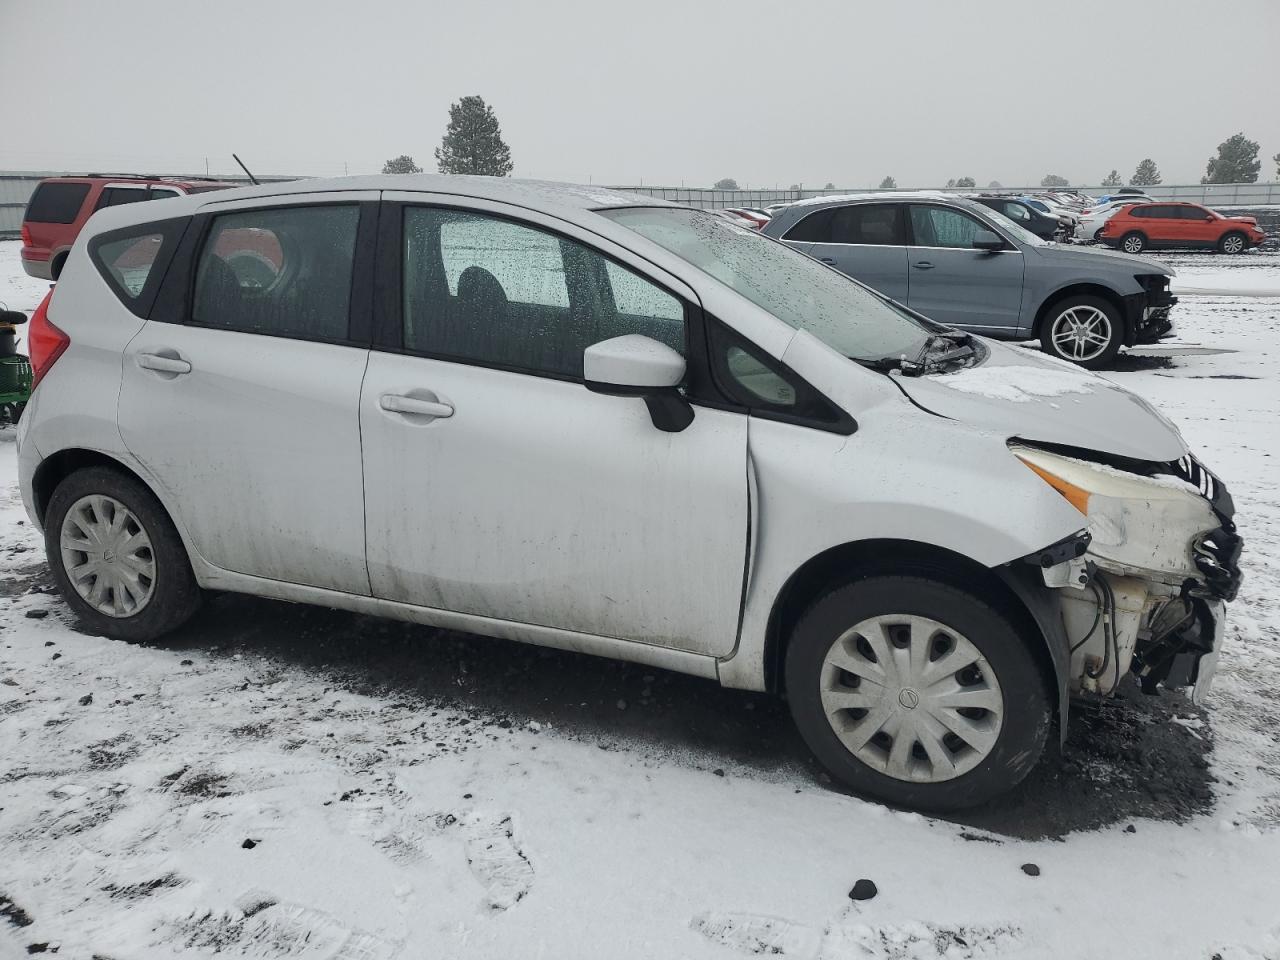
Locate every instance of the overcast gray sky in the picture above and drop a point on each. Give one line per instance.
(661, 91)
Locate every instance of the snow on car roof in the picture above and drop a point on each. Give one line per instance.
(877, 195)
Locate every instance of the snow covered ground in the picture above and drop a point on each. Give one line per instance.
(284, 781)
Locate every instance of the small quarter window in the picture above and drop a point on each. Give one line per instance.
(132, 260)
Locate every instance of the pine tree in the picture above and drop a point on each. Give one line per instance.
(1146, 174)
(1237, 162)
(728, 183)
(473, 142)
(967, 182)
(1276, 158)
(888, 183)
(829, 186)
(995, 185)
(1053, 180)
(1112, 179)
(401, 164)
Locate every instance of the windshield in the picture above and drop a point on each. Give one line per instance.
(793, 287)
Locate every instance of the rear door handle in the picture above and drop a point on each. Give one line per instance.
(163, 364)
(828, 261)
(923, 265)
(397, 403)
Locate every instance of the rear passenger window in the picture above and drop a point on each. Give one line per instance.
(500, 293)
(282, 272)
(878, 224)
(57, 202)
(115, 196)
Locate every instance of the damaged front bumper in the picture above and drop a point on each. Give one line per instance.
(1144, 588)
(1147, 314)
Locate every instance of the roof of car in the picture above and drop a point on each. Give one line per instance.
(504, 189)
(877, 195)
(141, 178)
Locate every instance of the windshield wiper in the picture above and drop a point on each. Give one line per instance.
(908, 368)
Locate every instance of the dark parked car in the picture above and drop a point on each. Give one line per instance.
(1043, 225)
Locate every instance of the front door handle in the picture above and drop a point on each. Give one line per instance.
(397, 403)
(923, 265)
(163, 364)
(828, 261)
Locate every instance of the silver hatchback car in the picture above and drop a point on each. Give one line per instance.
(589, 420)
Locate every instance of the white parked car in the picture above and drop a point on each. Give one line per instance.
(596, 421)
(1092, 221)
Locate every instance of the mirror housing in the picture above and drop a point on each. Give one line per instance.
(12, 317)
(638, 366)
(986, 240)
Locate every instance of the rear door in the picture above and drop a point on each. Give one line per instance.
(240, 394)
(953, 283)
(866, 241)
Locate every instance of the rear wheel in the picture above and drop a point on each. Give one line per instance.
(116, 556)
(916, 693)
(1233, 242)
(1083, 330)
(1133, 242)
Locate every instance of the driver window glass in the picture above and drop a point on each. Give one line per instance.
(283, 272)
(943, 227)
(1016, 211)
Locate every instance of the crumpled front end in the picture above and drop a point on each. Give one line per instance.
(1144, 587)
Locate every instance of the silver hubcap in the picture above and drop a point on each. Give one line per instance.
(1232, 245)
(107, 556)
(911, 698)
(1133, 245)
(1081, 333)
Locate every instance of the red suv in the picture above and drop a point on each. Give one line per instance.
(61, 205)
(1144, 225)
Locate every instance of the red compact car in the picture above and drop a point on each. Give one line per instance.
(1151, 225)
(61, 205)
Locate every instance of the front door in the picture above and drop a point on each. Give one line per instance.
(244, 407)
(953, 283)
(496, 484)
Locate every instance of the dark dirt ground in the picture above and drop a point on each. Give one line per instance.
(1123, 759)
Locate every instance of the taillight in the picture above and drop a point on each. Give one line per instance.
(26, 236)
(45, 342)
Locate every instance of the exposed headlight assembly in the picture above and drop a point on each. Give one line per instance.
(1151, 526)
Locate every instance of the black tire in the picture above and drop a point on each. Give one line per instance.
(1132, 242)
(175, 596)
(1233, 243)
(1055, 314)
(1027, 702)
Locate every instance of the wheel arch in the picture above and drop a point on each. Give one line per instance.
(1008, 591)
(1082, 288)
(57, 467)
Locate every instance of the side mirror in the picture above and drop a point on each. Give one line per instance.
(12, 317)
(986, 240)
(639, 366)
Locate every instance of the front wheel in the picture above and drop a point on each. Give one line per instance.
(1233, 242)
(916, 693)
(116, 556)
(1083, 330)
(1133, 242)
